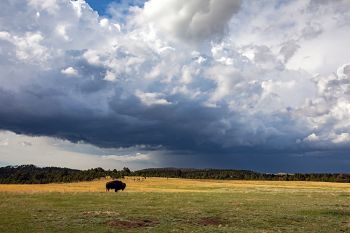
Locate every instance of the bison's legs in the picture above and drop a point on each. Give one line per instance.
(115, 190)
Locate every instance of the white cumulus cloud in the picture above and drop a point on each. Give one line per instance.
(70, 71)
(195, 20)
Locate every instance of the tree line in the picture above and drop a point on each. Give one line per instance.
(229, 174)
(30, 174)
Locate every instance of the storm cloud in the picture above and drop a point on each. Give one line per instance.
(214, 83)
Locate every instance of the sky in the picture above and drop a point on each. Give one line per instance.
(262, 85)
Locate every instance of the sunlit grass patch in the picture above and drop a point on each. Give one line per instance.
(155, 184)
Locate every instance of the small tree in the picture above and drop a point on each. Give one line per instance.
(126, 171)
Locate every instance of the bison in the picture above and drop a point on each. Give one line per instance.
(116, 185)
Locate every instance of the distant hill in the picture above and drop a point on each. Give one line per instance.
(192, 173)
(30, 174)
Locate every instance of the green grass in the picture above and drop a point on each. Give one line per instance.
(253, 211)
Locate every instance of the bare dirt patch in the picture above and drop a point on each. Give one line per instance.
(210, 221)
(129, 224)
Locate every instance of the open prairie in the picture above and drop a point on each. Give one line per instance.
(177, 205)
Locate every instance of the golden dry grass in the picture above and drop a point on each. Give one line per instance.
(155, 184)
(179, 205)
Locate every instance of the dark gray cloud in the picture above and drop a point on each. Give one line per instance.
(67, 73)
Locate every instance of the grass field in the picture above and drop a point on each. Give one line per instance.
(177, 205)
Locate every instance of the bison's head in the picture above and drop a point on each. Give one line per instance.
(123, 186)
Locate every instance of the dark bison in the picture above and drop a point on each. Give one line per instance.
(116, 185)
